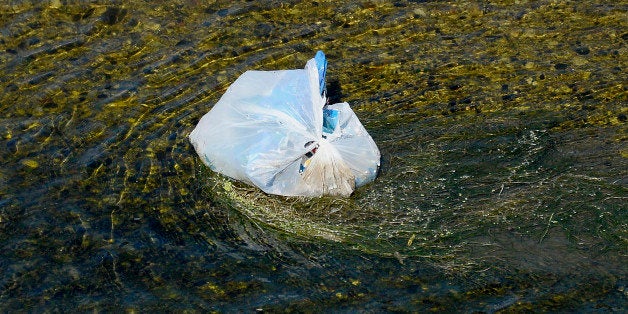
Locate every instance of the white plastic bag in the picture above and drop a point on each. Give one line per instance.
(267, 130)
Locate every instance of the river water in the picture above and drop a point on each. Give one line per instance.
(502, 127)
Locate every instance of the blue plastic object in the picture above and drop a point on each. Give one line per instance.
(330, 120)
(321, 66)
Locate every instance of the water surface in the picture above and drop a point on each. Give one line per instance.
(502, 127)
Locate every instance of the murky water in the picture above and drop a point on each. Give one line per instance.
(502, 127)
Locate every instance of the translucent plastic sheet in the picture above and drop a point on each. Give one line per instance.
(274, 130)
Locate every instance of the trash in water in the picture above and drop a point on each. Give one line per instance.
(275, 130)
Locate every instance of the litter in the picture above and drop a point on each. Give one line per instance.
(274, 130)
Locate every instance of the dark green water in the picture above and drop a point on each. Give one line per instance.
(502, 127)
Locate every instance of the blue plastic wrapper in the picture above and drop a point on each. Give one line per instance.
(330, 120)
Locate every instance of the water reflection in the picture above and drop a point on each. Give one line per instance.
(501, 127)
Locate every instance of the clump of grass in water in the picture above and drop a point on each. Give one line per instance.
(279, 213)
(354, 225)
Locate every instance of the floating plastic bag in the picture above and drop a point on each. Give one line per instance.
(274, 130)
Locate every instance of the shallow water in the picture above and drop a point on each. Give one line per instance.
(502, 127)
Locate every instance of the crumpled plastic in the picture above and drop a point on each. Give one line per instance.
(274, 130)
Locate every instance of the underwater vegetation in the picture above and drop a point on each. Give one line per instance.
(501, 124)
